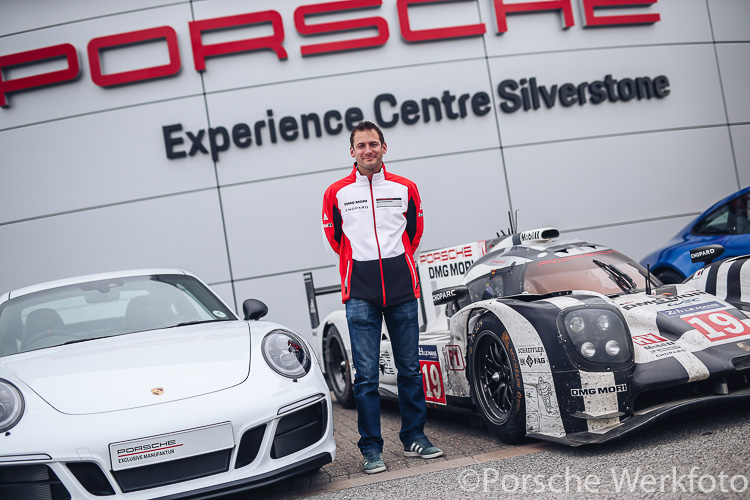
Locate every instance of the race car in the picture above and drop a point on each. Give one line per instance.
(144, 384)
(566, 341)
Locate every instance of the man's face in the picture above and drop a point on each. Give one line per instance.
(368, 151)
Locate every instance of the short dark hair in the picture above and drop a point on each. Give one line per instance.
(362, 127)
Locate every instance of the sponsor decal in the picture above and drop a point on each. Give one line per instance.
(157, 391)
(657, 346)
(386, 366)
(717, 326)
(454, 357)
(743, 345)
(437, 296)
(676, 300)
(687, 310)
(592, 391)
(432, 377)
(447, 266)
(531, 361)
(428, 353)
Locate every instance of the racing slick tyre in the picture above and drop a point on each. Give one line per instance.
(338, 371)
(496, 381)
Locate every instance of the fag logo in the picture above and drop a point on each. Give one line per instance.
(157, 391)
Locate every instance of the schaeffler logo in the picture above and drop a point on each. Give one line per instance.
(274, 42)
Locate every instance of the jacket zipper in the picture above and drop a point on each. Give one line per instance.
(377, 242)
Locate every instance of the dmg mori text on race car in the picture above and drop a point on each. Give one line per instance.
(566, 341)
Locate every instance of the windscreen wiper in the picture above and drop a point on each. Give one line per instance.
(197, 322)
(622, 279)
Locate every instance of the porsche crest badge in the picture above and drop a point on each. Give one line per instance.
(157, 391)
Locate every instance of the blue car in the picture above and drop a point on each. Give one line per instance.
(726, 223)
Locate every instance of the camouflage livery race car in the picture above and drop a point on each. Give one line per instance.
(565, 341)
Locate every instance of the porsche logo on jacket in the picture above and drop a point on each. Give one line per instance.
(375, 228)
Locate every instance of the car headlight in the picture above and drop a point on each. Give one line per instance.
(11, 405)
(286, 354)
(598, 337)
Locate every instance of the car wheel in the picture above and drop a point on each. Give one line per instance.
(496, 381)
(338, 371)
(669, 277)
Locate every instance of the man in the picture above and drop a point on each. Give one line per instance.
(373, 220)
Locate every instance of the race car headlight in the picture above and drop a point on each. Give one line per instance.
(598, 338)
(286, 354)
(11, 405)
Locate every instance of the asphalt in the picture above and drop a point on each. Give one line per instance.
(459, 434)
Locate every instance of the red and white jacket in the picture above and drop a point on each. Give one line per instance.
(375, 228)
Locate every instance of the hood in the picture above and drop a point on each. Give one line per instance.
(123, 372)
(685, 322)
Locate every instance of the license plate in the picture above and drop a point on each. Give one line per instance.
(167, 447)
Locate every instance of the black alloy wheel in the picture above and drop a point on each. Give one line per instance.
(496, 380)
(338, 371)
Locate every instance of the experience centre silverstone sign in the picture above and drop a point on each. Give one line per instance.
(388, 109)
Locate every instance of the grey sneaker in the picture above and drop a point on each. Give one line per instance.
(374, 462)
(422, 447)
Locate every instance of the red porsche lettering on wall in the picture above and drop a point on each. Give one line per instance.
(303, 17)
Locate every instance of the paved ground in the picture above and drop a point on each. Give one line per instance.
(451, 431)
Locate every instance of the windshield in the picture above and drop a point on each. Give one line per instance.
(607, 272)
(105, 308)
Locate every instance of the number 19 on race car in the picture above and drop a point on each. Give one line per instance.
(432, 378)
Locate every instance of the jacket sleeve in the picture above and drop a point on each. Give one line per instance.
(332, 228)
(414, 219)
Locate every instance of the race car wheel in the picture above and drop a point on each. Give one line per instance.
(496, 381)
(338, 371)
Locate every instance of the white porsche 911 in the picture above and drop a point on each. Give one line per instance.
(144, 384)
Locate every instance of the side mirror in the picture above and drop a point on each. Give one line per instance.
(254, 309)
(450, 294)
(706, 254)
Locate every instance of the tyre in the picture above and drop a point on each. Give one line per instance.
(496, 380)
(338, 371)
(669, 277)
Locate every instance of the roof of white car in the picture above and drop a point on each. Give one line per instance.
(90, 277)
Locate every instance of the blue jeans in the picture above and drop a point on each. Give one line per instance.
(365, 324)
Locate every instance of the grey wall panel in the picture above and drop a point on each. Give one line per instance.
(176, 231)
(98, 159)
(729, 19)
(285, 297)
(275, 227)
(51, 12)
(734, 63)
(83, 96)
(580, 184)
(694, 99)
(741, 142)
(424, 138)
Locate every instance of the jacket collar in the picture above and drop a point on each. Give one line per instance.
(380, 176)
